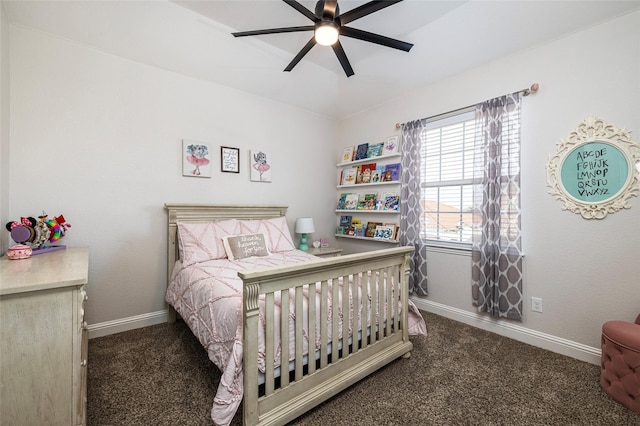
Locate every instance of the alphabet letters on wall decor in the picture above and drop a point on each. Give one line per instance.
(595, 170)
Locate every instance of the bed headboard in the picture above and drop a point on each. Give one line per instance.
(198, 213)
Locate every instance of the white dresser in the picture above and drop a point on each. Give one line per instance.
(43, 339)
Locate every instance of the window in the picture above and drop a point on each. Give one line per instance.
(446, 179)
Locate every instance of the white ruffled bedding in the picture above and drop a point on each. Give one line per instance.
(208, 296)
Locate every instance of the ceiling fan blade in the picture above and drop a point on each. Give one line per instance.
(365, 9)
(274, 31)
(300, 8)
(375, 38)
(342, 57)
(307, 47)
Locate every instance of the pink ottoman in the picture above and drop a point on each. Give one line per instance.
(620, 362)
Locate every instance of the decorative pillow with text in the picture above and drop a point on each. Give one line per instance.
(248, 245)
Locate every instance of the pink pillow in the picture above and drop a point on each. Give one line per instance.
(199, 242)
(275, 229)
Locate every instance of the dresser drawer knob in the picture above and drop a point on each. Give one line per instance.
(83, 363)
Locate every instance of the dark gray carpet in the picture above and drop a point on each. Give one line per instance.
(458, 375)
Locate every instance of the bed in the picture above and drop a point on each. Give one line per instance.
(251, 298)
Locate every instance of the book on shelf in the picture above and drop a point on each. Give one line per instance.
(341, 201)
(364, 173)
(394, 228)
(351, 202)
(347, 154)
(391, 145)
(367, 201)
(375, 150)
(349, 176)
(391, 202)
(361, 151)
(384, 232)
(376, 175)
(370, 230)
(345, 221)
(358, 231)
(391, 172)
(355, 223)
(340, 230)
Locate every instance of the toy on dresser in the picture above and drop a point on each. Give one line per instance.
(36, 236)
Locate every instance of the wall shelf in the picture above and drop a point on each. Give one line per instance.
(361, 185)
(368, 160)
(377, 240)
(369, 211)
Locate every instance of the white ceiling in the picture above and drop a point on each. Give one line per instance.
(194, 38)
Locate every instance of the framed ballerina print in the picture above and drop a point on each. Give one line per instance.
(260, 166)
(196, 159)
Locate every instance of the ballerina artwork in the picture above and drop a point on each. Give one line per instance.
(260, 169)
(195, 161)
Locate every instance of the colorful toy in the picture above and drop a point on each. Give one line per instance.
(38, 233)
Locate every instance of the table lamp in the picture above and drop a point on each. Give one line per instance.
(304, 226)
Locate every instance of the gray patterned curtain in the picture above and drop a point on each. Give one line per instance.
(496, 253)
(410, 207)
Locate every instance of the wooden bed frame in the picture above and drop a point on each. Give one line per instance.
(283, 397)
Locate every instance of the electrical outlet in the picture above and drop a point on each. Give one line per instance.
(536, 304)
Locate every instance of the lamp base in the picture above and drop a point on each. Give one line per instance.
(303, 243)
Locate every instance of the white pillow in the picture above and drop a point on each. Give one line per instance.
(199, 242)
(276, 230)
(247, 245)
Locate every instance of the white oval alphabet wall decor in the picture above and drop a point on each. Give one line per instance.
(595, 170)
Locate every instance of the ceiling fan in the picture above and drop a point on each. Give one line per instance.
(329, 24)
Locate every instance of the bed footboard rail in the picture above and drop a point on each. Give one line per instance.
(326, 324)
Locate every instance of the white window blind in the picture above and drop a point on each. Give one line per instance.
(447, 146)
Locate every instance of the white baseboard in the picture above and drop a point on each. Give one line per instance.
(504, 328)
(126, 324)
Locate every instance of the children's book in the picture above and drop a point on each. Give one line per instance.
(391, 145)
(349, 176)
(347, 155)
(351, 202)
(367, 201)
(374, 150)
(340, 230)
(383, 232)
(370, 231)
(391, 202)
(358, 231)
(345, 221)
(376, 175)
(361, 151)
(364, 174)
(391, 172)
(393, 229)
(341, 201)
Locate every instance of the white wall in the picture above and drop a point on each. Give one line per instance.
(98, 138)
(586, 271)
(4, 124)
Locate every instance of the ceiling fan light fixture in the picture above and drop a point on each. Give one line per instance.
(326, 33)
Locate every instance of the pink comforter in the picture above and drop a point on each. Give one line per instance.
(208, 296)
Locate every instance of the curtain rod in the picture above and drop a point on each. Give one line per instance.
(525, 92)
